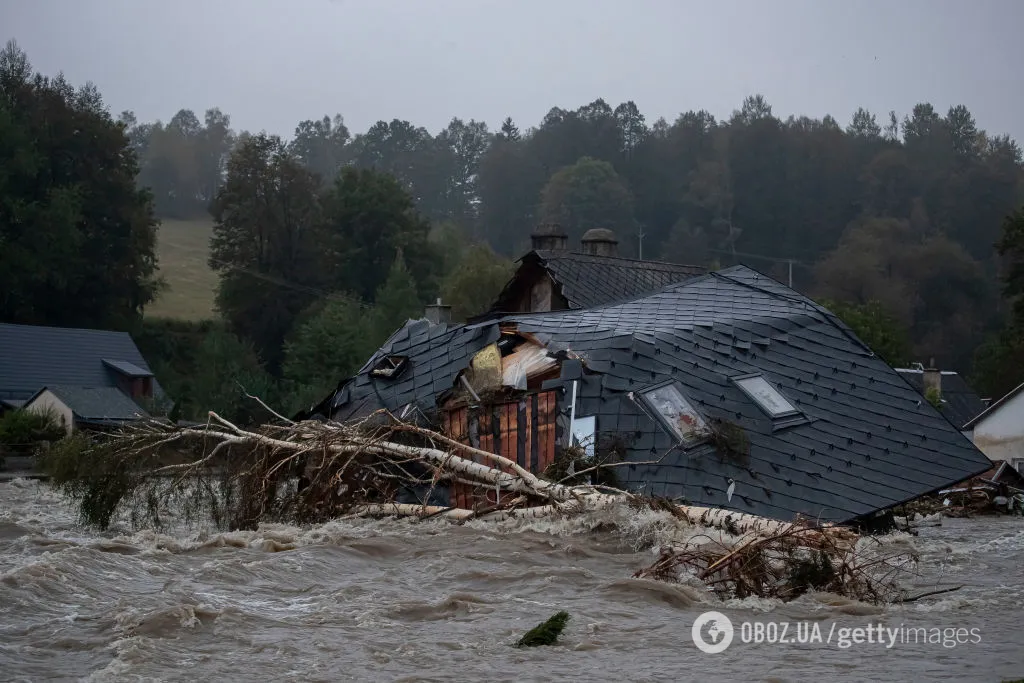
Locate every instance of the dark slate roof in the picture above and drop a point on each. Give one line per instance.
(96, 403)
(869, 440)
(587, 281)
(32, 357)
(961, 403)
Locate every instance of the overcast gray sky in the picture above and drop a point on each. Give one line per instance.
(272, 63)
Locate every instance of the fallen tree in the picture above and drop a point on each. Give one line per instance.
(313, 471)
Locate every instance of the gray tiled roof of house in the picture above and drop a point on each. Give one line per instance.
(32, 357)
(587, 281)
(868, 440)
(960, 402)
(97, 403)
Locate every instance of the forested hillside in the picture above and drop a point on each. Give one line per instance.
(323, 242)
(905, 211)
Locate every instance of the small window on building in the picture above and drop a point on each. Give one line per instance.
(766, 396)
(390, 367)
(677, 413)
(584, 433)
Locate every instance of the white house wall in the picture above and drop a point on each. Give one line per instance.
(1000, 435)
(49, 401)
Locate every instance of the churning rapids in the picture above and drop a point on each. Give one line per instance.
(415, 601)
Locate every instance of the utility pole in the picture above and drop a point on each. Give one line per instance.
(790, 262)
(640, 239)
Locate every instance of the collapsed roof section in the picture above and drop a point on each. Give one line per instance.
(730, 390)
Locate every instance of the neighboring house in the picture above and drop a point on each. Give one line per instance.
(727, 389)
(93, 408)
(552, 278)
(999, 430)
(84, 364)
(958, 401)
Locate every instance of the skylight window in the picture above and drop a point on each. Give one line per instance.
(766, 396)
(390, 367)
(677, 413)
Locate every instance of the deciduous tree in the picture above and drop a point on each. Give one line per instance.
(77, 238)
(588, 194)
(266, 243)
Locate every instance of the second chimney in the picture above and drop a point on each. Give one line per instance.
(599, 242)
(438, 313)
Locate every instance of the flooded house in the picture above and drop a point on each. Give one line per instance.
(89, 378)
(999, 430)
(724, 389)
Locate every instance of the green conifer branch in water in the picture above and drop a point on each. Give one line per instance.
(545, 633)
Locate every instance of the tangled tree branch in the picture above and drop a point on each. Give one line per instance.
(313, 471)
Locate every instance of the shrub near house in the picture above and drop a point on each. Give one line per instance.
(22, 431)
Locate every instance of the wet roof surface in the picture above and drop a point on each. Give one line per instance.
(864, 438)
(98, 403)
(33, 356)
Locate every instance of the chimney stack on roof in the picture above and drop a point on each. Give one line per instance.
(932, 378)
(600, 242)
(438, 313)
(549, 237)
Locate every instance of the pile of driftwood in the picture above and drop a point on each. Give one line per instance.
(968, 502)
(787, 564)
(313, 471)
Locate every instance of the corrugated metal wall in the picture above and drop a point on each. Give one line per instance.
(522, 431)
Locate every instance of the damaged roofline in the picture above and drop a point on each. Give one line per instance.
(495, 361)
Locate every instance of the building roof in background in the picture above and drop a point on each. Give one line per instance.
(962, 403)
(33, 356)
(864, 439)
(95, 403)
(127, 369)
(996, 405)
(587, 280)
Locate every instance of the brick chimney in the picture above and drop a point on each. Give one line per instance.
(932, 378)
(438, 313)
(599, 242)
(549, 237)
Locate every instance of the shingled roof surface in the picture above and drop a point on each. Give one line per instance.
(587, 281)
(33, 356)
(961, 405)
(866, 440)
(98, 403)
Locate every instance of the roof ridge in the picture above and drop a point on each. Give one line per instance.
(797, 297)
(563, 254)
(65, 329)
(995, 405)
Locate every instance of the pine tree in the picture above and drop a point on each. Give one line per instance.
(396, 302)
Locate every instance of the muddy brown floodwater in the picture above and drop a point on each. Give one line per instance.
(404, 601)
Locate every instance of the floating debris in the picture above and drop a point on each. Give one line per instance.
(545, 633)
(311, 472)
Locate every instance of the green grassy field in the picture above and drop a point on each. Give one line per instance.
(182, 249)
